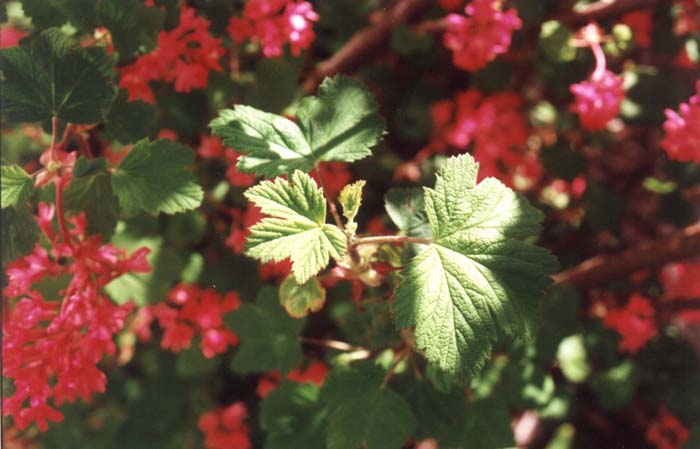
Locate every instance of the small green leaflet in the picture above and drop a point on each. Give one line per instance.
(269, 337)
(20, 232)
(478, 275)
(90, 191)
(17, 186)
(51, 77)
(301, 299)
(340, 125)
(156, 177)
(296, 226)
(364, 413)
(293, 417)
(350, 198)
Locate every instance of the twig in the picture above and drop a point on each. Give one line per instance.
(331, 344)
(364, 42)
(379, 239)
(602, 10)
(653, 254)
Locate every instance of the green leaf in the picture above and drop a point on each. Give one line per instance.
(350, 199)
(20, 233)
(17, 186)
(156, 177)
(365, 413)
(406, 208)
(90, 191)
(129, 121)
(296, 227)
(269, 337)
(301, 299)
(293, 417)
(477, 275)
(50, 77)
(340, 125)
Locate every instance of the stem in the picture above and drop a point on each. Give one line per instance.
(395, 239)
(331, 204)
(60, 211)
(599, 60)
(331, 344)
(54, 129)
(400, 356)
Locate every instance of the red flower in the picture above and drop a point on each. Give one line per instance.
(688, 18)
(476, 40)
(634, 322)
(10, 36)
(225, 428)
(641, 24)
(598, 99)
(315, 373)
(666, 431)
(682, 139)
(211, 147)
(274, 23)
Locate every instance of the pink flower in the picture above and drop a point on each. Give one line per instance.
(484, 33)
(682, 139)
(10, 36)
(597, 100)
(634, 322)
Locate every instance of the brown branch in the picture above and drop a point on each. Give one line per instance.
(602, 10)
(647, 255)
(365, 42)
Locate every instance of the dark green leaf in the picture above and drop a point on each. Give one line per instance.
(129, 121)
(19, 232)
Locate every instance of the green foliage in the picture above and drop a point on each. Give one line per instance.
(50, 77)
(406, 208)
(296, 226)
(269, 336)
(155, 177)
(301, 299)
(19, 232)
(90, 191)
(129, 121)
(17, 186)
(478, 275)
(340, 125)
(365, 413)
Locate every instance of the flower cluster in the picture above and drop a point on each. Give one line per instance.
(225, 428)
(484, 33)
(315, 373)
(641, 24)
(184, 55)
(666, 431)
(682, 139)
(495, 126)
(210, 147)
(191, 310)
(10, 36)
(51, 348)
(634, 322)
(274, 23)
(688, 18)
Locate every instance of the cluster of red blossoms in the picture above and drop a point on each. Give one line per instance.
(496, 127)
(51, 348)
(597, 100)
(190, 310)
(315, 373)
(273, 24)
(184, 55)
(484, 33)
(666, 431)
(682, 139)
(688, 18)
(225, 428)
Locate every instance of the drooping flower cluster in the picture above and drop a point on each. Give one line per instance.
(598, 99)
(484, 33)
(315, 373)
(682, 139)
(666, 431)
(634, 322)
(191, 310)
(184, 55)
(226, 428)
(51, 347)
(210, 147)
(496, 128)
(273, 24)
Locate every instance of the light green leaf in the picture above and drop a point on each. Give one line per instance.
(363, 412)
(17, 186)
(90, 191)
(293, 417)
(296, 227)
(477, 275)
(20, 232)
(301, 299)
(269, 337)
(51, 77)
(156, 177)
(340, 125)
(350, 199)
